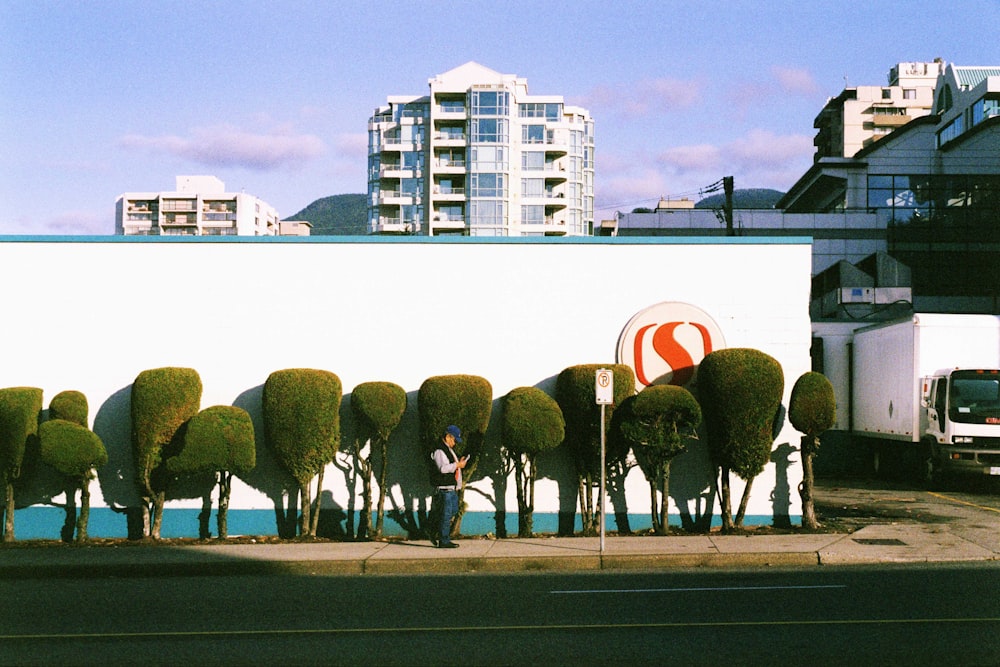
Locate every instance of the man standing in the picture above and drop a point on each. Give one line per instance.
(446, 476)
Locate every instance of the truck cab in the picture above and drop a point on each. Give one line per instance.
(963, 420)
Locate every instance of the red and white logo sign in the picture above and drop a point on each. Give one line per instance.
(664, 344)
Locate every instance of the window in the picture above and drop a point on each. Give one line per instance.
(533, 160)
(533, 215)
(489, 130)
(490, 103)
(886, 94)
(488, 158)
(550, 111)
(486, 185)
(533, 134)
(533, 187)
(909, 93)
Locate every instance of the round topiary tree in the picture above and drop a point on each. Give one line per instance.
(465, 401)
(576, 396)
(812, 409)
(20, 408)
(163, 399)
(531, 423)
(655, 423)
(74, 451)
(217, 440)
(71, 406)
(301, 409)
(739, 390)
(378, 408)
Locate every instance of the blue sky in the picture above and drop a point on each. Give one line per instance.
(104, 97)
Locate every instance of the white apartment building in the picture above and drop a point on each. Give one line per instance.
(199, 206)
(479, 156)
(862, 115)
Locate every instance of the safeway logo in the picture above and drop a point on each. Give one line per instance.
(664, 343)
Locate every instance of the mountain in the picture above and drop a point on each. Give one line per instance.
(747, 198)
(337, 215)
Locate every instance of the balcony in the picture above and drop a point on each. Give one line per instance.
(450, 166)
(395, 226)
(449, 138)
(890, 120)
(397, 198)
(398, 171)
(449, 193)
(447, 224)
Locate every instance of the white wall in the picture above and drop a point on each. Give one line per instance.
(90, 314)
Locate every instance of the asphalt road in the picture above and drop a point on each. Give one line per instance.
(816, 616)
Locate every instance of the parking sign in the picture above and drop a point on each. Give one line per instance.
(604, 386)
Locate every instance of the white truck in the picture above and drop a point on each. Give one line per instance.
(928, 388)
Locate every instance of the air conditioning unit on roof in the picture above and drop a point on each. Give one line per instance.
(857, 295)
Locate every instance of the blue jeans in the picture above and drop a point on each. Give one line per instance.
(449, 508)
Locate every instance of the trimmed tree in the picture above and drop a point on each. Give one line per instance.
(74, 451)
(465, 401)
(576, 396)
(740, 393)
(655, 423)
(532, 423)
(71, 406)
(217, 440)
(378, 408)
(812, 409)
(302, 426)
(163, 399)
(20, 408)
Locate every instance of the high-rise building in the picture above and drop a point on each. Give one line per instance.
(200, 206)
(862, 115)
(479, 156)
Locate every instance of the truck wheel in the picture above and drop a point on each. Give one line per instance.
(928, 469)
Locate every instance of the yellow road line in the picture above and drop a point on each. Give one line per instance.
(964, 502)
(489, 628)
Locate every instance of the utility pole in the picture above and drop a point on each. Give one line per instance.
(727, 185)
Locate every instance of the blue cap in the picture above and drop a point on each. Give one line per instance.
(454, 431)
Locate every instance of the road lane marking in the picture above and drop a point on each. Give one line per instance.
(696, 590)
(484, 628)
(963, 502)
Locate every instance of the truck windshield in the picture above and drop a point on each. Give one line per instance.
(975, 397)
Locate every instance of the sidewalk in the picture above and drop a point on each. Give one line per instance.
(882, 543)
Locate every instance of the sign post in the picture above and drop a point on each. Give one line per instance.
(604, 391)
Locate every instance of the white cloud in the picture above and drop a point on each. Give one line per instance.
(795, 80)
(67, 223)
(229, 146)
(647, 97)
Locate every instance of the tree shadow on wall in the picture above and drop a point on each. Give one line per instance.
(117, 478)
(781, 496)
(692, 486)
(408, 472)
(269, 476)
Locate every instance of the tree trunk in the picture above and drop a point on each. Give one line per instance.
(70, 521)
(521, 481)
(664, 514)
(225, 488)
(384, 455)
(319, 501)
(365, 525)
(743, 503)
(8, 526)
(158, 500)
(806, 487)
(305, 500)
(725, 500)
(83, 519)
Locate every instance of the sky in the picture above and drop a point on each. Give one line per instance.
(104, 97)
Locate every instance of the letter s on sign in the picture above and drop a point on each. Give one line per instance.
(682, 335)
